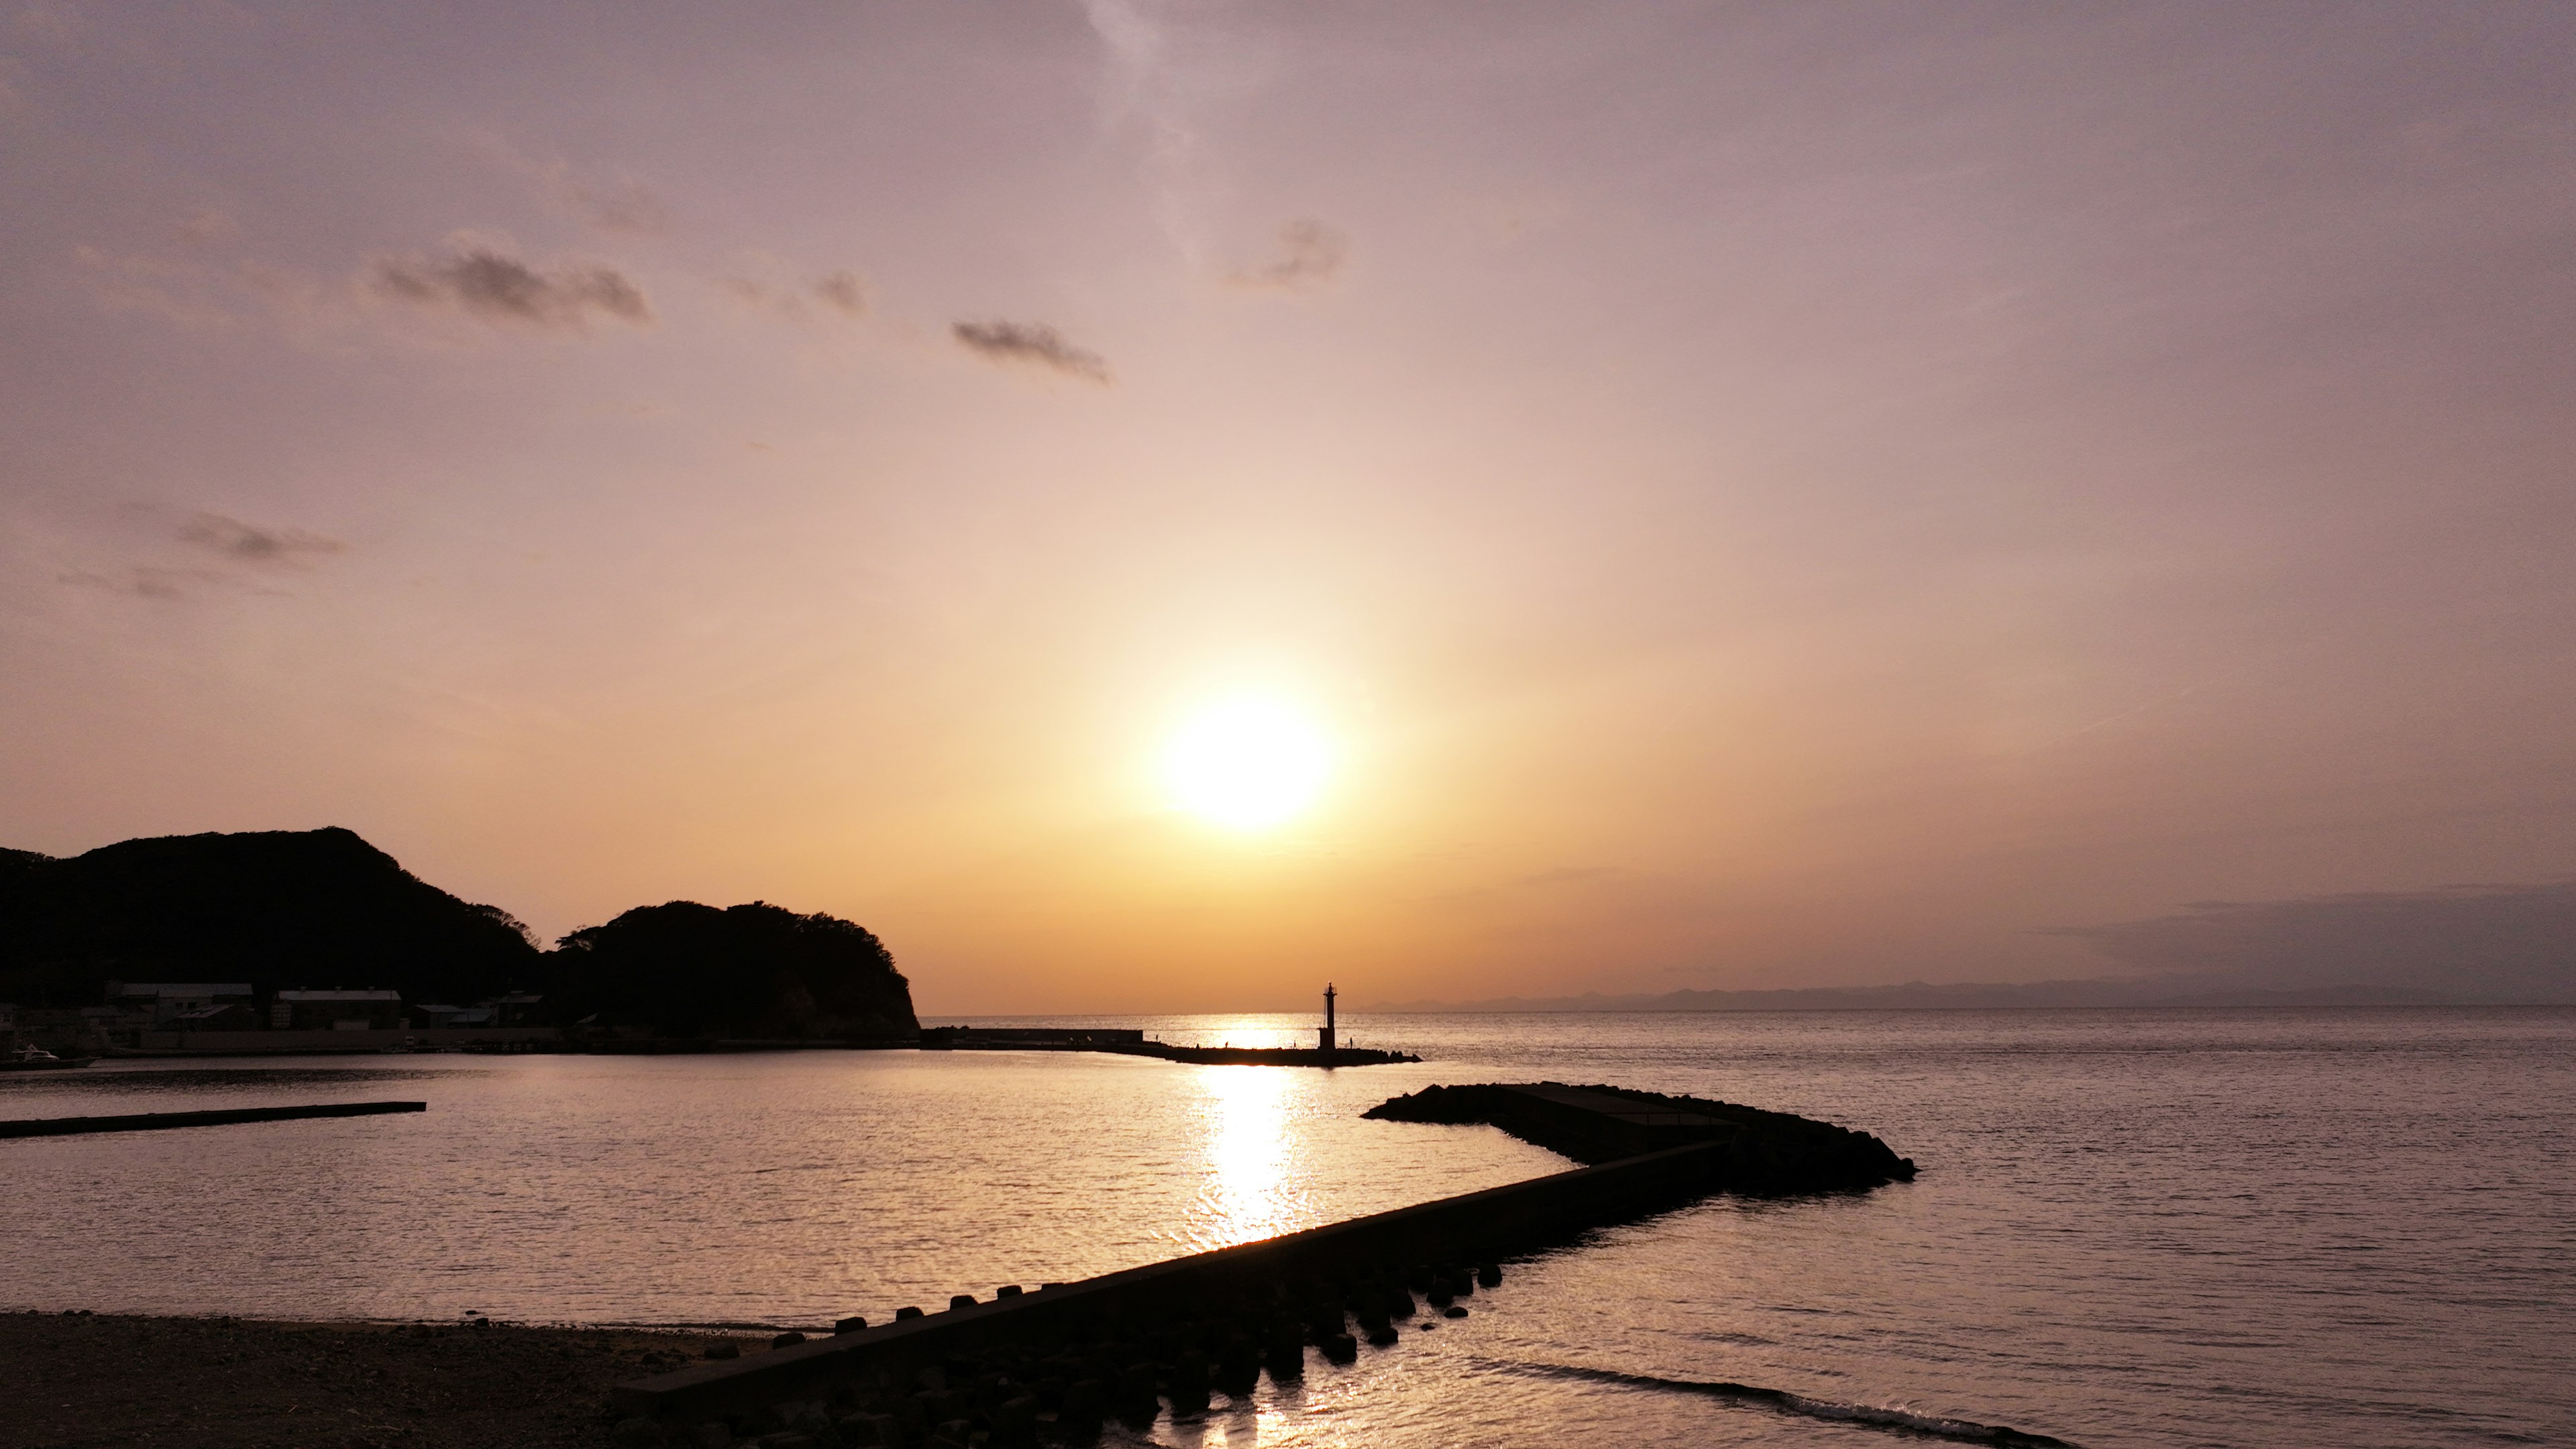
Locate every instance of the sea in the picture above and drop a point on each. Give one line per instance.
(2280, 1227)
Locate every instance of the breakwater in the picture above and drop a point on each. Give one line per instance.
(223, 1117)
(1132, 1043)
(1765, 1151)
(1058, 1362)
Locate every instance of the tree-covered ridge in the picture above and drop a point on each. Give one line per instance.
(274, 908)
(685, 969)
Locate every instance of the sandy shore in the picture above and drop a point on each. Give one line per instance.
(76, 1381)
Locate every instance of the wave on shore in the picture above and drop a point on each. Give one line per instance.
(1902, 1421)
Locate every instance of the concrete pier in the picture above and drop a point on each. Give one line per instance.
(1133, 1044)
(155, 1121)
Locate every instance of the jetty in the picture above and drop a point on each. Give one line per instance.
(220, 1117)
(1057, 1362)
(1135, 1044)
(1327, 1051)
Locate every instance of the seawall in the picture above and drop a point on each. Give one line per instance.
(327, 1042)
(218, 1117)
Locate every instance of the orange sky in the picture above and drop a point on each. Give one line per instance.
(1755, 495)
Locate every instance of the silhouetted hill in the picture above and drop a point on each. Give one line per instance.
(274, 908)
(685, 969)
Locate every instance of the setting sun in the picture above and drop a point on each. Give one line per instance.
(1248, 762)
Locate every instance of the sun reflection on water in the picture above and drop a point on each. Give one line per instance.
(1254, 1185)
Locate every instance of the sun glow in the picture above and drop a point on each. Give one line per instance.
(1249, 762)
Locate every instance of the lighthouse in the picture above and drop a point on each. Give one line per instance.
(1327, 1032)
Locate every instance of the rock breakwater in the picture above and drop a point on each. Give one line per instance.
(1057, 1364)
(1764, 1152)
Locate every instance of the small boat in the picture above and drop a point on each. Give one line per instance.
(37, 1059)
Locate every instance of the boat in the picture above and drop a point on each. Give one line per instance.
(37, 1059)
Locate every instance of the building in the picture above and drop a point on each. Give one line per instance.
(68, 1030)
(519, 1008)
(156, 1003)
(336, 1011)
(230, 1016)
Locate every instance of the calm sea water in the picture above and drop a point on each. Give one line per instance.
(2133, 1228)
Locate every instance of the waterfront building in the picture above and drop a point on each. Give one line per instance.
(228, 1016)
(336, 1011)
(155, 1003)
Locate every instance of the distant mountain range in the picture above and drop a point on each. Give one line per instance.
(1917, 995)
(2460, 945)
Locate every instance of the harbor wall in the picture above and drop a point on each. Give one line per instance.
(262, 1043)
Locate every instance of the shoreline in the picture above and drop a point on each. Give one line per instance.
(104, 1381)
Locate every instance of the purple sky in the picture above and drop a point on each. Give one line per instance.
(1756, 495)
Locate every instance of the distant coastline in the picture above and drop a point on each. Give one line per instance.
(2121, 992)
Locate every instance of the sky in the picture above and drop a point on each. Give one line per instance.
(1740, 495)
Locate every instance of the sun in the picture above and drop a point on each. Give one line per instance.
(1249, 762)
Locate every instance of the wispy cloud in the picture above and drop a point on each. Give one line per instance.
(256, 546)
(154, 583)
(1146, 85)
(621, 203)
(1033, 345)
(207, 226)
(481, 281)
(841, 293)
(1310, 256)
(241, 558)
(187, 294)
(626, 205)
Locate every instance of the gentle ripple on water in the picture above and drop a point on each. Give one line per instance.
(2134, 1228)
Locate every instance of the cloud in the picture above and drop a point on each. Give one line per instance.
(842, 292)
(154, 583)
(1030, 344)
(622, 205)
(247, 559)
(184, 293)
(1311, 255)
(1147, 84)
(628, 206)
(207, 226)
(480, 281)
(258, 547)
(2494, 942)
